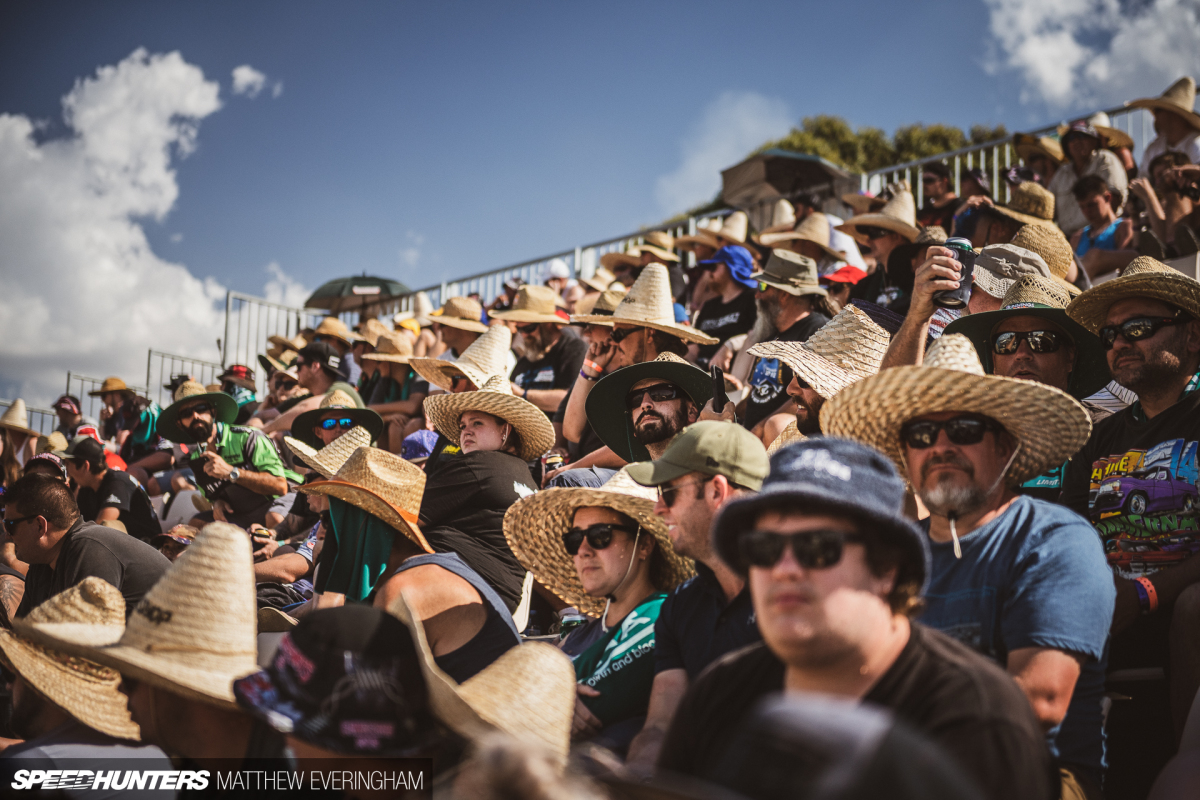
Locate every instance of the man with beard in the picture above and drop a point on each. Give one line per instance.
(552, 356)
(1021, 580)
(237, 468)
(1136, 477)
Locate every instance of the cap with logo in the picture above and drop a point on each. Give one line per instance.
(711, 448)
(328, 357)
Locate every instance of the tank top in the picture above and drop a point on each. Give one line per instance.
(1104, 240)
(498, 634)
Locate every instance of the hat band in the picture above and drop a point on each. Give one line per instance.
(182, 648)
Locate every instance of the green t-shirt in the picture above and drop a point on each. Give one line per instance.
(245, 448)
(620, 665)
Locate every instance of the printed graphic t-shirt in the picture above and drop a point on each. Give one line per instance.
(770, 376)
(121, 491)
(557, 369)
(726, 320)
(620, 665)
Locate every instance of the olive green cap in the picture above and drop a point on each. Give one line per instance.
(713, 448)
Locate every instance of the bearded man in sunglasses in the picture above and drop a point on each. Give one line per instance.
(835, 572)
(1136, 479)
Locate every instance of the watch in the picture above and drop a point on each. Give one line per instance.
(234, 474)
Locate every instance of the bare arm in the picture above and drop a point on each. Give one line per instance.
(575, 415)
(287, 568)
(284, 421)
(108, 513)
(546, 399)
(939, 272)
(1168, 582)
(1102, 262)
(665, 694)
(1047, 676)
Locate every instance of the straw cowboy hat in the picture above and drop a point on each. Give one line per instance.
(225, 409)
(527, 693)
(792, 273)
(392, 347)
(55, 443)
(601, 279)
(863, 203)
(343, 403)
(422, 308)
(16, 418)
(900, 259)
(1028, 146)
(372, 329)
(706, 234)
(898, 215)
(786, 436)
(1028, 203)
(1048, 242)
(604, 303)
(111, 384)
(277, 363)
(87, 691)
(783, 219)
(193, 633)
(605, 404)
(335, 328)
(462, 313)
(735, 228)
(660, 244)
(534, 527)
(649, 305)
(535, 304)
(813, 228)
(280, 343)
(1050, 426)
(495, 397)
(630, 258)
(848, 348)
(328, 460)
(1109, 136)
(384, 485)
(1179, 99)
(1041, 297)
(483, 358)
(1144, 277)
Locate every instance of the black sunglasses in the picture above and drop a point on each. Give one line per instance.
(659, 393)
(1138, 328)
(818, 549)
(922, 434)
(620, 333)
(598, 537)
(345, 423)
(191, 411)
(668, 494)
(871, 232)
(1007, 343)
(285, 386)
(530, 328)
(10, 525)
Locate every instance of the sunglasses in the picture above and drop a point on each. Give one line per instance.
(659, 393)
(922, 434)
(458, 380)
(598, 537)
(345, 423)
(191, 411)
(818, 549)
(619, 334)
(1133, 330)
(285, 386)
(10, 525)
(527, 329)
(872, 233)
(668, 494)
(1007, 343)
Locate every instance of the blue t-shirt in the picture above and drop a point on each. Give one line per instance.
(1033, 577)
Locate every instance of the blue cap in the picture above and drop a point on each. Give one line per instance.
(681, 315)
(739, 262)
(418, 446)
(829, 475)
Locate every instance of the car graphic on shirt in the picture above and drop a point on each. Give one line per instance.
(1150, 491)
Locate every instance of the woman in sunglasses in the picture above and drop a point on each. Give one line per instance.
(604, 552)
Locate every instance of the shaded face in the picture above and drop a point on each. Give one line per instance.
(883, 246)
(1080, 148)
(953, 477)
(29, 536)
(704, 252)
(602, 571)
(461, 383)
(113, 400)
(980, 301)
(684, 506)
(657, 421)
(308, 373)
(360, 350)
(538, 338)
(285, 386)
(994, 229)
(631, 349)
(933, 185)
(341, 424)
(1097, 208)
(1053, 369)
(456, 339)
(1157, 359)
(597, 334)
(769, 303)
(74, 471)
(197, 418)
(141, 697)
(27, 708)
(480, 431)
(813, 617)
(808, 405)
(172, 549)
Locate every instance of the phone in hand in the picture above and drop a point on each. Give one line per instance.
(719, 397)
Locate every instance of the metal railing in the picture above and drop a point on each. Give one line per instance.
(161, 366)
(42, 420)
(81, 385)
(250, 320)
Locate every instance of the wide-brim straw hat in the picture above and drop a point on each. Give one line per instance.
(496, 398)
(527, 693)
(485, 357)
(462, 313)
(1110, 136)
(329, 459)
(334, 327)
(111, 384)
(601, 279)
(786, 436)
(16, 418)
(384, 485)
(735, 228)
(604, 303)
(280, 363)
(630, 258)
(1049, 425)
(392, 347)
(848, 348)
(422, 308)
(343, 403)
(225, 409)
(649, 304)
(1027, 145)
(1049, 243)
(193, 634)
(534, 527)
(813, 228)
(1029, 203)
(94, 611)
(1179, 99)
(605, 404)
(1144, 277)
(1036, 296)
(372, 329)
(898, 215)
(272, 620)
(534, 304)
(863, 203)
(783, 219)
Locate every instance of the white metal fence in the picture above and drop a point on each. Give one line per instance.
(42, 420)
(160, 367)
(81, 386)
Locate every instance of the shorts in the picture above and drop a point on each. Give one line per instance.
(165, 478)
(581, 478)
(282, 505)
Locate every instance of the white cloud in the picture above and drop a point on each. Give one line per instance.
(250, 82)
(1088, 53)
(283, 288)
(176, 238)
(731, 126)
(411, 255)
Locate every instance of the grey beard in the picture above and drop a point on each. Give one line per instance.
(944, 499)
(764, 324)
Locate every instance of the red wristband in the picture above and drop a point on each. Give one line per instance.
(593, 366)
(1150, 591)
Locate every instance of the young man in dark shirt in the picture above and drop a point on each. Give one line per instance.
(553, 355)
(833, 587)
(106, 494)
(43, 522)
(732, 311)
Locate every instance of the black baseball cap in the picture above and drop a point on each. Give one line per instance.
(328, 357)
(84, 447)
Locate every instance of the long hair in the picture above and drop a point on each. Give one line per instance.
(10, 468)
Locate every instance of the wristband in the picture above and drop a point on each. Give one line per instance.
(1146, 594)
(587, 377)
(594, 367)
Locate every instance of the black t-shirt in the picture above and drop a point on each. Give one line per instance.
(462, 511)
(770, 377)
(91, 550)
(121, 491)
(697, 625)
(956, 697)
(726, 320)
(557, 370)
(938, 215)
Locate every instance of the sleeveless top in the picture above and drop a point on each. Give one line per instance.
(1104, 240)
(498, 634)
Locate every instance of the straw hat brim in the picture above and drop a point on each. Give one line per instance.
(272, 620)
(87, 692)
(534, 526)
(592, 283)
(685, 332)
(1090, 309)
(525, 315)
(850, 226)
(825, 377)
(462, 324)
(102, 391)
(701, 237)
(1151, 103)
(1090, 374)
(440, 372)
(372, 503)
(611, 260)
(17, 428)
(339, 450)
(665, 255)
(1028, 145)
(302, 426)
(225, 409)
(772, 239)
(1114, 137)
(1050, 424)
(394, 358)
(269, 363)
(1028, 219)
(610, 419)
(788, 435)
(534, 427)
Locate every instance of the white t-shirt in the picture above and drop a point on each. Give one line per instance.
(844, 243)
(1188, 145)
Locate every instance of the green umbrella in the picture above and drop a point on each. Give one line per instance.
(355, 293)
